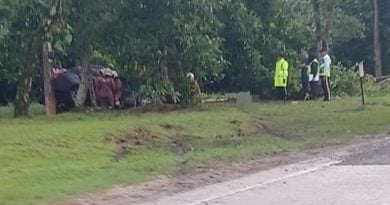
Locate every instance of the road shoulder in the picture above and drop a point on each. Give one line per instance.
(271, 168)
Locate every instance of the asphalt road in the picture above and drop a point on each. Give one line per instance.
(361, 177)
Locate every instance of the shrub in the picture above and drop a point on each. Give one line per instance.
(346, 82)
(185, 92)
(157, 90)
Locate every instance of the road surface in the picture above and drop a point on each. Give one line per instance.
(360, 178)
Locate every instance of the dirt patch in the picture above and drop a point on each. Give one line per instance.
(353, 110)
(180, 143)
(128, 143)
(221, 142)
(238, 128)
(167, 108)
(157, 108)
(177, 141)
(386, 104)
(172, 127)
(270, 128)
(181, 146)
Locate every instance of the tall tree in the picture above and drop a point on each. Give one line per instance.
(377, 41)
(317, 24)
(26, 29)
(88, 19)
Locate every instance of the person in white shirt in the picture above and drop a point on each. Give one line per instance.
(325, 67)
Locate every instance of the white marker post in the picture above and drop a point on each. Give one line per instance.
(362, 74)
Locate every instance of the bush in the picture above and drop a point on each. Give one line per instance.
(346, 82)
(294, 84)
(186, 95)
(157, 90)
(381, 89)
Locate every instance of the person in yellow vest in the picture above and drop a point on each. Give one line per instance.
(281, 76)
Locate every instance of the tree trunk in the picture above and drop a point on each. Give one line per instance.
(22, 101)
(377, 41)
(328, 17)
(86, 79)
(327, 31)
(317, 24)
(50, 99)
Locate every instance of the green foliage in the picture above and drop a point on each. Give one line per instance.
(294, 84)
(155, 89)
(346, 82)
(187, 97)
(102, 59)
(198, 42)
(230, 45)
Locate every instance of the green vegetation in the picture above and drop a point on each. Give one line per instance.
(47, 159)
(230, 45)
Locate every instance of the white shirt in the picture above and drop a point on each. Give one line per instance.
(327, 64)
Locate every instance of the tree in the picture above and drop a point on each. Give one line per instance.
(317, 23)
(229, 44)
(23, 39)
(197, 41)
(377, 41)
(87, 19)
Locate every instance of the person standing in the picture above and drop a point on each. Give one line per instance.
(325, 67)
(314, 76)
(195, 88)
(281, 76)
(117, 90)
(305, 73)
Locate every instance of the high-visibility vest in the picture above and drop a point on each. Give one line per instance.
(322, 68)
(314, 77)
(281, 73)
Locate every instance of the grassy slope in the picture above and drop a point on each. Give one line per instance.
(43, 159)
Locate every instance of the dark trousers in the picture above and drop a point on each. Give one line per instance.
(325, 87)
(282, 93)
(314, 89)
(305, 86)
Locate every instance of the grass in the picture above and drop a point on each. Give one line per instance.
(45, 159)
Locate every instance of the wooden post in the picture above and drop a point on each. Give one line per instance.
(92, 93)
(50, 99)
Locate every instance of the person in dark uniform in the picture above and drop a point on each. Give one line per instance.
(305, 74)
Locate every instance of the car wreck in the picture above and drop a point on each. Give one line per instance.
(66, 83)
